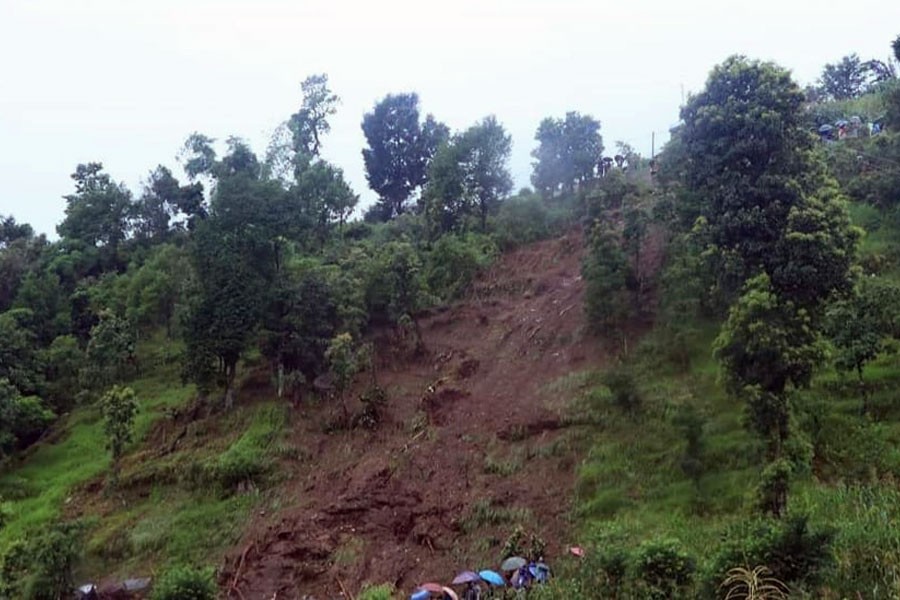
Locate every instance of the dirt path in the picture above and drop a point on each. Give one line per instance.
(472, 443)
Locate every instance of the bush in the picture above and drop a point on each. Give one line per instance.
(526, 218)
(793, 553)
(623, 387)
(185, 583)
(454, 261)
(662, 570)
(41, 567)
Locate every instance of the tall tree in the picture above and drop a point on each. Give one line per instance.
(568, 153)
(99, 213)
(469, 176)
(310, 123)
(400, 149)
(163, 199)
(845, 79)
(759, 185)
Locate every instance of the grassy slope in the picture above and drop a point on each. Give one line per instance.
(162, 520)
(631, 486)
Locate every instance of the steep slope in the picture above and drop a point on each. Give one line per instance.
(472, 445)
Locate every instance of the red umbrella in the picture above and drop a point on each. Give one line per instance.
(577, 551)
(432, 587)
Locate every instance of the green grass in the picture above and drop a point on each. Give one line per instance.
(39, 487)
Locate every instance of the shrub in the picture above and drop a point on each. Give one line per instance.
(623, 387)
(454, 261)
(385, 591)
(185, 583)
(526, 218)
(41, 567)
(662, 570)
(792, 552)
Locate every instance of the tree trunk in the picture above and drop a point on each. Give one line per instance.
(280, 379)
(230, 368)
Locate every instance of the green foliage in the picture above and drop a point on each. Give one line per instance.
(42, 566)
(845, 79)
(119, 407)
(98, 213)
(385, 591)
(773, 487)
(19, 360)
(794, 552)
(567, 155)
(454, 261)
(663, 570)
(344, 363)
(110, 352)
(185, 583)
(605, 270)
(526, 218)
(859, 324)
(468, 177)
(22, 420)
(624, 390)
(400, 149)
(692, 424)
(766, 345)
(63, 361)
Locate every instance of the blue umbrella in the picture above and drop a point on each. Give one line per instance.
(492, 577)
(420, 595)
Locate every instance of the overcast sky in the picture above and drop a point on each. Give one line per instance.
(125, 82)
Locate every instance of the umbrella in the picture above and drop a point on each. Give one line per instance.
(431, 587)
(842, 123)
(577, 551)
(825, 128)
(466, 577)
(513, 562)
(420, 595)
(450, 593)
(492, 577)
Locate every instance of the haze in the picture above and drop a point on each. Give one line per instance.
(125, 83)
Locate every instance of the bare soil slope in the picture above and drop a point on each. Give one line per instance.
(471, 444)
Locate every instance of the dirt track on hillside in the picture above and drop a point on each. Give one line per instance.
(393, 505)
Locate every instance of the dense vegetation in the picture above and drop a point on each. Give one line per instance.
(753, 426)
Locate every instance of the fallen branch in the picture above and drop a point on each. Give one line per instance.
(237, 574)
(343, 589)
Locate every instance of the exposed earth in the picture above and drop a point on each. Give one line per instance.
(472, 442)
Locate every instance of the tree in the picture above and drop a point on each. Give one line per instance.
(400, 150)
(22, 419)
(895, 46)
(605, 271)
(469, 176)
(63, 361)
(310, 123)
(20, 363)
(325, 198)
(99, 213)
(767, 347)
(567, 155)
(119, 407)
(302, 317)
(159, 287)
(489, 147)
(344, 364)
(162, 200)
(859, 325)
(759, 185)
(845, 79)
(110, 352)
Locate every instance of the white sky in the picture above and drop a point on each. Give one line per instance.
(125, 82)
